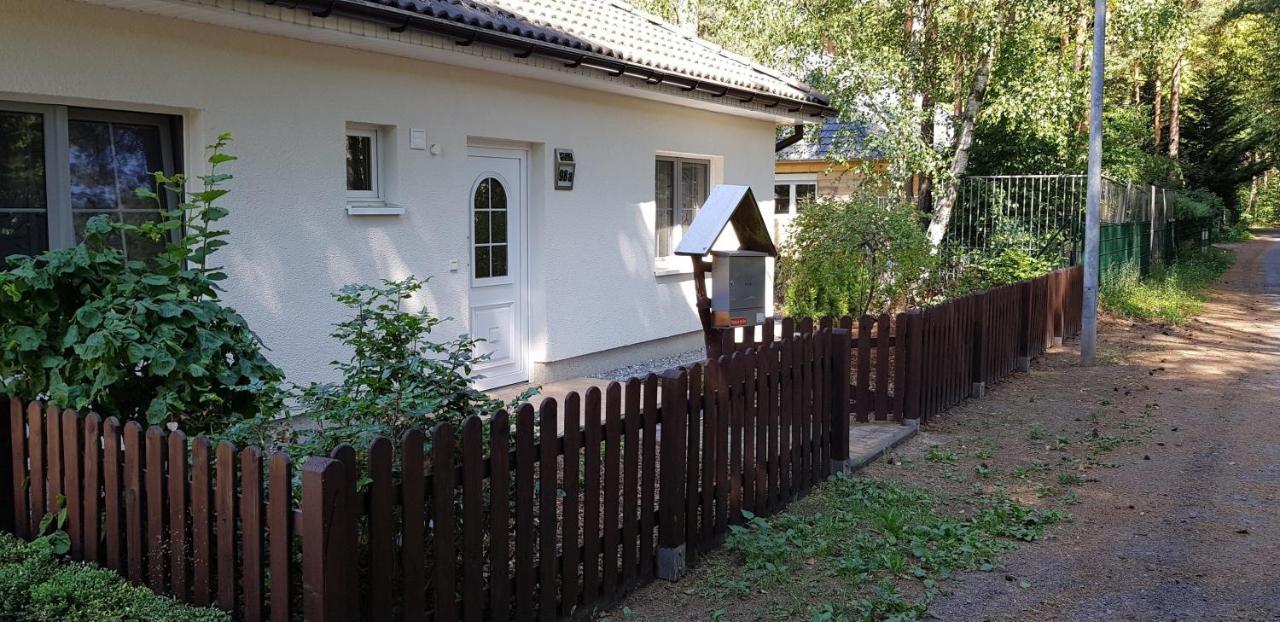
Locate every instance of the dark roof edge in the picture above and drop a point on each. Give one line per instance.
(399, 20)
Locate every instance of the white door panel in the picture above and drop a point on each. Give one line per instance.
(497, 265)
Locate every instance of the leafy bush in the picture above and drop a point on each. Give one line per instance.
(35, 586)
(396, 379)
(1171, 294)
(87, 327)
(852, 256)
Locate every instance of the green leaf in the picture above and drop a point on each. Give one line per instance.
(155, 279)
(60, 542)
(162, 364)
(169, 310)
(221, 158)
(88, 317)
(26, 338)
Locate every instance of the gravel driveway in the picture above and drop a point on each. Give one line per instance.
(1185, 524)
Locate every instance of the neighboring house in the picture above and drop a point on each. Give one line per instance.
(382, 138)
(827, 162)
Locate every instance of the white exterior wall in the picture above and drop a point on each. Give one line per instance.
(287, 102)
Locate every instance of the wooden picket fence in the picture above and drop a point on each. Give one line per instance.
(545, 513)
(918, 363)
(538, 515)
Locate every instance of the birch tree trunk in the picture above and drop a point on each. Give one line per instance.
(1159, 97)
(1175, 103)
(945, 202)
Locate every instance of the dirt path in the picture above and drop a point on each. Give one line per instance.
(1180, 524)
(1166, 455)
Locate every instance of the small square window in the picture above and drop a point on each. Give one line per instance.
(363, 156)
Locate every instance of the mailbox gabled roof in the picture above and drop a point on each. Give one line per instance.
(727, 205)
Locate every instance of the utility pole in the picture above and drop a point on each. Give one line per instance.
(1089, 315)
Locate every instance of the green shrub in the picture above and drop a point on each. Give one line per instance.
(1172, 294)
(36, 586)
(852, 256)
(396, 379)
(87, 327)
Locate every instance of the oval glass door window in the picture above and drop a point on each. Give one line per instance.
(489, 229)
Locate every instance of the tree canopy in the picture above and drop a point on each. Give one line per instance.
(955, 87)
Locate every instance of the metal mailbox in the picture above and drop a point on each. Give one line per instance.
(737, 288)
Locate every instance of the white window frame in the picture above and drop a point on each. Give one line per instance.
(677, 231)
(791, 180)
(57, 117)
(374, 195)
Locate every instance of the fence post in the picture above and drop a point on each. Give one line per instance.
(981, 329)
(1060, 307)
(911, 386)
(671, 497)
(327, 548)
(1024, 326)
(841, 341)
(8, 514)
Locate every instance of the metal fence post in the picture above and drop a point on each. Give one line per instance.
(980, 333)
(841, 342)
(671, 495)
(327, 548)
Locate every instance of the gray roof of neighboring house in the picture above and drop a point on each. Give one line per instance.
(833, 137)
(610, 35)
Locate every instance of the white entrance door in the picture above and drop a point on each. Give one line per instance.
(496, 202)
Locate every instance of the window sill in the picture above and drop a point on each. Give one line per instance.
(672, 266)
(374, 209)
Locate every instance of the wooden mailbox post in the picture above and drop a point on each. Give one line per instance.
(726, 205)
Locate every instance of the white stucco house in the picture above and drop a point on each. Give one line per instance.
(383, 138)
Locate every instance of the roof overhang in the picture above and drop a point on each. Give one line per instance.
(527, 58)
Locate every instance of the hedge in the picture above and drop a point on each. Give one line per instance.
(37, 585)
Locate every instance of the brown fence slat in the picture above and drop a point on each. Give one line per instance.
(472, 519)
(630, 478)
(345, 525)
(252, 532)
(414, 515)
(612, 495)
(591, 496)
(18, 469)
(134, 544)
(548, 419)
(224, 500)
(177, 493)
(707, 430)
(648, 473)
(570, 532)
(91, 525)
(693, 458)
(326, 543)
(525, 579)
(280, 534)
(442, 516)
(71, 481)
(154, 502)
(53, 459)
(202, 563)
(112, 494)
(499, 517)
(736, 407)
(382, 534)
(724, 414)
(747, 374)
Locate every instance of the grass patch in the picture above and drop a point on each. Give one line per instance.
(882, 546)
(1171, 295)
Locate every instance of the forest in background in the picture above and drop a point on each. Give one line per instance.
(950, 88)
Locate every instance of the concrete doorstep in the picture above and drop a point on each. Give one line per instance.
(869, 441)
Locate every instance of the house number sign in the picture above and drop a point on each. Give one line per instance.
(565, 169)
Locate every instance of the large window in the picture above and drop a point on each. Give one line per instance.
(679, 190)
(61, 166)
(792, 192)
(489, 229)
